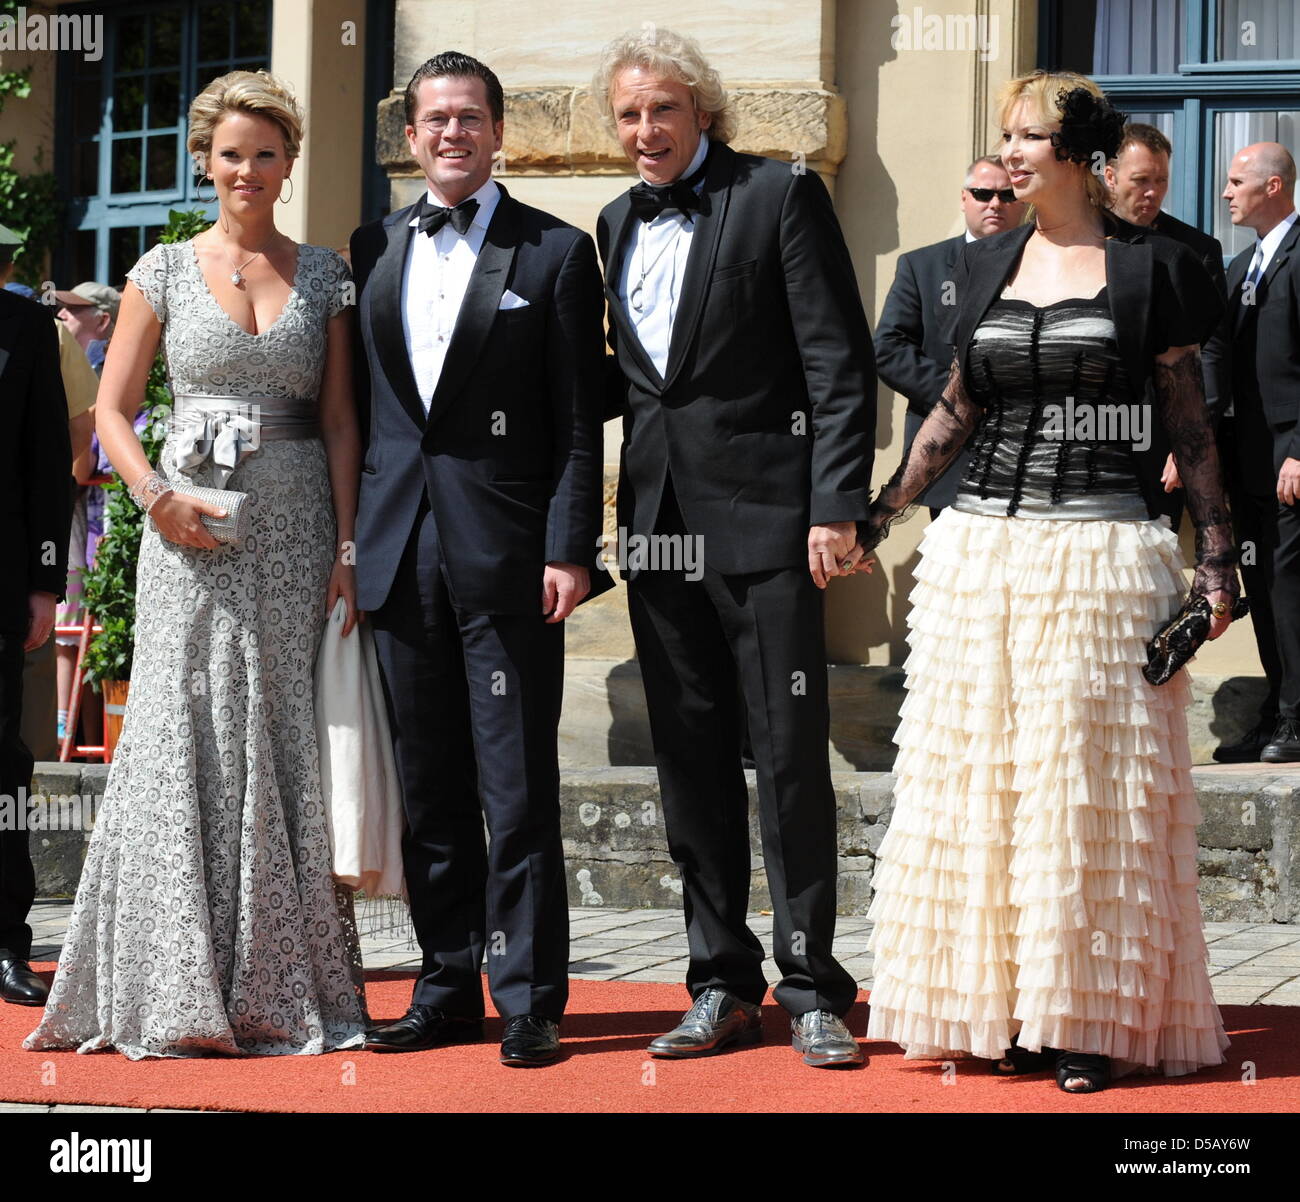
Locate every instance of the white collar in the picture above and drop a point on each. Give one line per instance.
(487, 196)
(1273, 239)
(971, 237)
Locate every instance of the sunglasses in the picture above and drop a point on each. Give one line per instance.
(1006, 195)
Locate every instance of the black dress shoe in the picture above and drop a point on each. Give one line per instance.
(1248, 749)
(1284, 746)
(717, 1020)
(530, 1041)
(824, 1040)
(19, 985)
(423, 1027)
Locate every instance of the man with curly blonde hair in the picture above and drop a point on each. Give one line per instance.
(744, 375)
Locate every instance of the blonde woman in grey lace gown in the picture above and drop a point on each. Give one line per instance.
(206, 919)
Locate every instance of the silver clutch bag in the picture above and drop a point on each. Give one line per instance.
(234, 526)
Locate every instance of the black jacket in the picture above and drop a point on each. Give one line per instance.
(1257, 353)
(767, 413)
(511, 454)
(1159, 294)
(913, 354)
(35, 460)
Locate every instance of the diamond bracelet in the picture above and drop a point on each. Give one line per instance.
(146, 490)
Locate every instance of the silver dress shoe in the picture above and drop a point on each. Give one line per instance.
(824, 1040)
(716, 1020)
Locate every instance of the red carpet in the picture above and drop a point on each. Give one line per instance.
(606, 1070)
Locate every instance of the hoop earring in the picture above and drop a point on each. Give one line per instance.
(288, 181)
(198, 192)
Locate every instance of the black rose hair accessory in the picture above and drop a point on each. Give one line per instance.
(1088, 124)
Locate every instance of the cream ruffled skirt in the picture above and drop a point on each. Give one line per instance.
(1039, 873)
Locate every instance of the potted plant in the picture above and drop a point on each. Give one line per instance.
(109, 585)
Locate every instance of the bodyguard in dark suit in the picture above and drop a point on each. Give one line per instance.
(912, 351)
(36, 512)
(1138, 181)
(743, 374)
(479, 515)
(1256, 355)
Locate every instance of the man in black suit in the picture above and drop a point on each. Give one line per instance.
(36, 503)
(479, 516)
(913, 354)
(1138, 181)
(1255, 357)
(743, 372)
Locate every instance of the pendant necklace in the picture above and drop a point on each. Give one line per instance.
(237, 276)
(635, 298)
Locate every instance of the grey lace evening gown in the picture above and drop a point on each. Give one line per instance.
(206, 919)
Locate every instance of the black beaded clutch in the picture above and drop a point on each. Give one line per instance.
(1181, 637)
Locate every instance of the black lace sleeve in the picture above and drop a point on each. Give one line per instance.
(941, 436)
(1180, 393)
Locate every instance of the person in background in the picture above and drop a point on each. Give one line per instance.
(912, 349)
(36, 511)
(40, 728)
(1137, 179)
(88, 312)
(1256, 354)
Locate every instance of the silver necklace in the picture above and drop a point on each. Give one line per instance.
(636, 297)
(237, 276)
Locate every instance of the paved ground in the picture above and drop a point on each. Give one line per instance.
(1250, 963)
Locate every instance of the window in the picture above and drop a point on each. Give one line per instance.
(1212, 75)
(126, 165)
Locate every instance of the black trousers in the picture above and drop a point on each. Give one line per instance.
(704, 645)
(1268, 534)
(17, 879)
(474, 703)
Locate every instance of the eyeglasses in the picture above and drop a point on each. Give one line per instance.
(1006, 195)
(470, 122)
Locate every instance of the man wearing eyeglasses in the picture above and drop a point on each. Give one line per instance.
(480, 507)
(912, 351)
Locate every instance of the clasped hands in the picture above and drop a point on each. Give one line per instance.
(834, 550)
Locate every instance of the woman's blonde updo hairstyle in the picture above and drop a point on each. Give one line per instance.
(1043, 89)
(256, 92)
(671, 54)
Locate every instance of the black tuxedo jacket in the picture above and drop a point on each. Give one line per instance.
(1257, 348)
(35, 460)
(913, 354)
(767, 412)
(1159, 295)
(510, 454)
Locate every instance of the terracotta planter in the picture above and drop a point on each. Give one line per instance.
(115, 692)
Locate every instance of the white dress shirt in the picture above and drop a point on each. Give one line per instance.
(433, 288)
(652, 271)
(1266, 247)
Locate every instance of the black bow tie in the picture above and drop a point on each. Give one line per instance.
(433, 217)
(651, 200)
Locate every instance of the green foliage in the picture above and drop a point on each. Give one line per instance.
(29, 204)
(110, 584)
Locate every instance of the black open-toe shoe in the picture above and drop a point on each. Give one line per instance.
(1018, 1060)
(1093, 1069)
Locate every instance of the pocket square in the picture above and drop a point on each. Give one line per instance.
(510, 301)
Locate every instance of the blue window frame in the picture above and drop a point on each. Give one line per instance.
(125, 164)
(1214, 75)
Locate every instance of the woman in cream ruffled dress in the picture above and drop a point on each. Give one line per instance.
(1036, 897)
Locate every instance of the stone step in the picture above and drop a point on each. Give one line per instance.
(617, 852)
